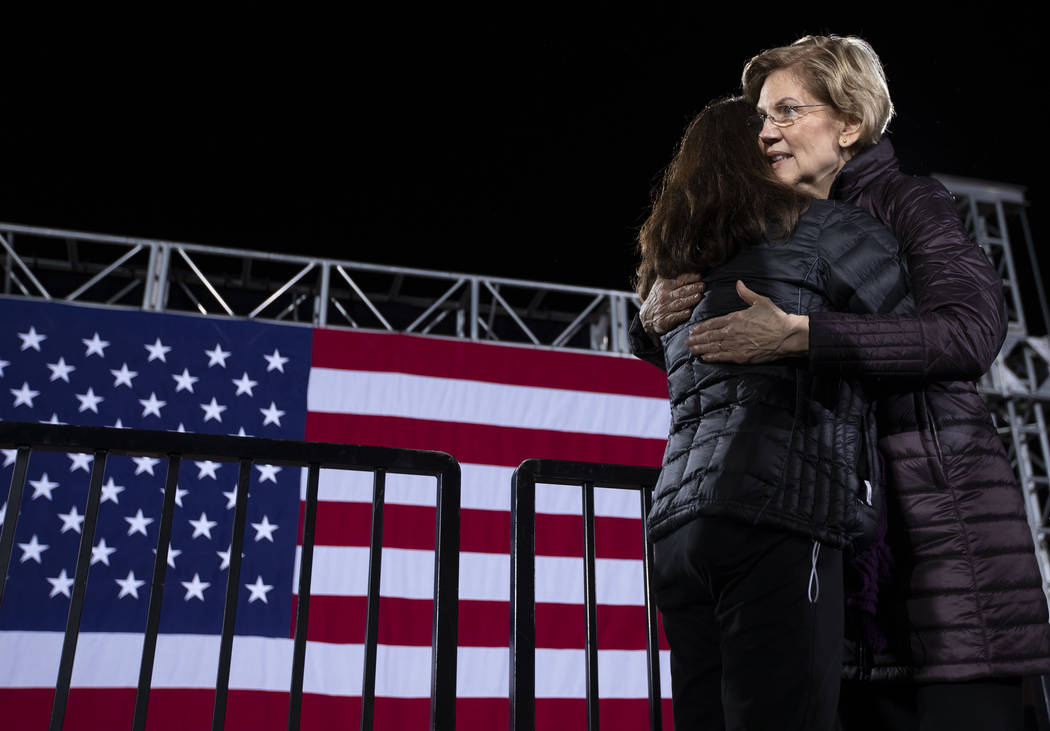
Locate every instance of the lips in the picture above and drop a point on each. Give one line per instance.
(776, 158)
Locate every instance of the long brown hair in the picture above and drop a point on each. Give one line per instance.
(717, 195)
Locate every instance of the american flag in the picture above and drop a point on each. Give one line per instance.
(490, 406)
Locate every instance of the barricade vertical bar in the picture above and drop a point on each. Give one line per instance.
(302, 617)
(375, 565)
(76, 601)
(14, 506)
(652, 637)
(446, 594)
(523, 598)
(233, 582)
(590, 603)
(156, 595)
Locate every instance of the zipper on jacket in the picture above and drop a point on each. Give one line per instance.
(864, 660)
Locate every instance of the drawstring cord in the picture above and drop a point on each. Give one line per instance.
(814, 582)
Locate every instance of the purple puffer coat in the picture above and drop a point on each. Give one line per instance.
(965, 599)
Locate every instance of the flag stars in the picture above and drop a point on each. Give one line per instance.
(207, 468)
(9, 456)
(123, 376)
(264, 529)
(80, 461)
(267, 472)
(110, 491)
(144, 464)
(137, 523)
(202, 526)
(272, 415)
(60, 584)
(185, 381)
(173, 553)
(195, 588)
(231, 498)
(32, 551)
(61, 370)
(217, 356)
(71, 520)
(157, 351)
(95, 346)
(43, 487)
(129, 586)
(32, 339)
(179, 494)
(213, 410)
(152, 405)
(89, 401)
(3, 364)
(24, 396)
(258, 590)
(100, 552)
(275, 362)
(244, 385)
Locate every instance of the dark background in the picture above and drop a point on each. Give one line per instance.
(510, 143)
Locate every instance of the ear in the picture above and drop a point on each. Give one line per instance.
(850, 132)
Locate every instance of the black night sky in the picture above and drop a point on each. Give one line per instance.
(511, 143)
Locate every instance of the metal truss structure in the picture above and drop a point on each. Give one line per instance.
(179, 277)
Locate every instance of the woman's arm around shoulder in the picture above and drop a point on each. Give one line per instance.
(959, 324)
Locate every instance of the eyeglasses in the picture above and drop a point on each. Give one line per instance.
(785, 115)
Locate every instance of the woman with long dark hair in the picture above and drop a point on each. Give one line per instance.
(770, 471)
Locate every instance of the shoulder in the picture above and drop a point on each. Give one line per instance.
(902, 194)
(840, 216)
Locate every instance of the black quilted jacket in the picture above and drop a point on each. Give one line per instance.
(776, 444)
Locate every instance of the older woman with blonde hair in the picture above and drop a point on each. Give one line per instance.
(953, 615)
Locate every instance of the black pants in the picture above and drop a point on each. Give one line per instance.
(756, 641)
(990, 704)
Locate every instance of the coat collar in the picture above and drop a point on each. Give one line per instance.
(858, 173)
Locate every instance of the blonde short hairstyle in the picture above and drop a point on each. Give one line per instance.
(843, 71)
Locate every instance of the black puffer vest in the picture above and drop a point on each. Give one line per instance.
(775, 444)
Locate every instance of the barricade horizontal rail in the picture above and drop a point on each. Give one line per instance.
(103, 442)
(587, 475)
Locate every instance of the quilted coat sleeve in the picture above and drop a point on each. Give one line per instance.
(960, 319)
(642, 347)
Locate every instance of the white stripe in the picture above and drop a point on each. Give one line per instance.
(483, 487)
(264, 663)
(383, 393)
(409, 574)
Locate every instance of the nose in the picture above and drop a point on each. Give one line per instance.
(769, 133)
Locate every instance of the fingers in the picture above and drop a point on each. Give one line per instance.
(749, 296)
(684, 279)
(688, 294)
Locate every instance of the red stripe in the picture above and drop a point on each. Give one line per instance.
(481, 531)
(105, 709)
(341, 620)
(521, 366)
(481, 443)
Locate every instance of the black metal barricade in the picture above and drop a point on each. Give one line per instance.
(175, 446)
(523, 579)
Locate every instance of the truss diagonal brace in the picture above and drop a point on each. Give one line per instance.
(364, 298)
(512, 313)
(282, 289)
(204, 280)
(22, 265)
(102, 274)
